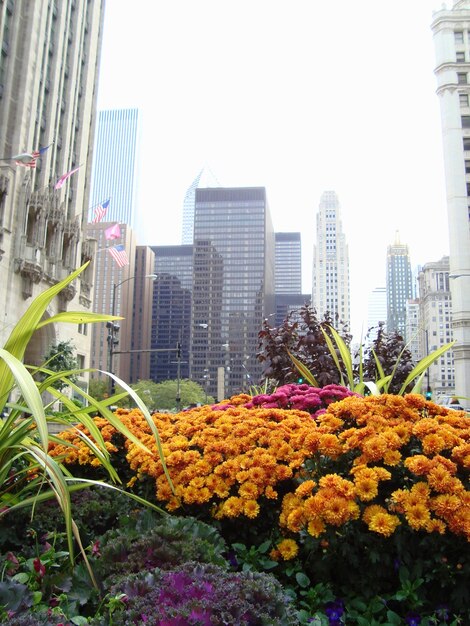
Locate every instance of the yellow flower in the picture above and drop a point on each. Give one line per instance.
(232, 507)
(288, 549)
(270, 493)
(392, 457)
(251, 508)
(316, 527)
(372, 510)
(330, 445)
(384, 523)
(436, 526)
(336, 511)
(417, 516)
(249, 491)
(366, 488)
(305, 488)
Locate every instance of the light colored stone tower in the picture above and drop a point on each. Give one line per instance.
(48, 74)
(451, 31)
(330, 290)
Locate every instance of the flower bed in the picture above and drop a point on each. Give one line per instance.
(367, 497)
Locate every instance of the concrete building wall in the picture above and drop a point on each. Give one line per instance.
(451, 32)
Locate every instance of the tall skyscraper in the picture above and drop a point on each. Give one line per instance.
(330, 278)
(436, 326)
(171, 319)
(451, 32)
(48, 74)
(115, 177)
(288, 276)
(399, 286)
(233, 287)
(115, 172)
(288, 268)
(205, 178)
(377, 308)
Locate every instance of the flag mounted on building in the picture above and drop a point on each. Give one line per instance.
(60, 183)
(100, 211)
(119, 255)
(113, 232)
(26, 159)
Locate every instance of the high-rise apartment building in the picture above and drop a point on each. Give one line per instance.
(436, 325)
(205, 178)
(171, 317)
(451, 31)
(115, 174)
(288, 263)
(399, 286)
(330, 279)
(233, 288)
(376, 309)
(48, 73)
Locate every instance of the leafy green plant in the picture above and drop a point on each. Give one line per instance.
(28, 474)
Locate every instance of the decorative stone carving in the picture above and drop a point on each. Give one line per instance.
(31, 274)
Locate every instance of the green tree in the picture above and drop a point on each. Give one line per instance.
(162, 396)
(98, 388)
(61, 358)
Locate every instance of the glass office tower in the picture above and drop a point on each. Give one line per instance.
(233, 286)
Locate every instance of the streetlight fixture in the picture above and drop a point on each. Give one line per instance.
(113, 328)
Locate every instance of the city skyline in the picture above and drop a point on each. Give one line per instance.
(337, 105)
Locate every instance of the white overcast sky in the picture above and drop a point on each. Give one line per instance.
(298, 96)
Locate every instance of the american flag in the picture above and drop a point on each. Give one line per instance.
(100, 211)
(119, 255)
(60, 183)
(27, 159)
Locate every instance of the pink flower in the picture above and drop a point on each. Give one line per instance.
(95, 549)
(39, 567)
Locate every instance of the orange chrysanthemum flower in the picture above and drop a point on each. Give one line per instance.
(288, 549)
(384, 523)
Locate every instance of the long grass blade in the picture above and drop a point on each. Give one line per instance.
(332, 351)
(150, 422)
(423, 365)
(78, 317)
(345, 354)
(56, 480)
(303, 370)
(29, 391)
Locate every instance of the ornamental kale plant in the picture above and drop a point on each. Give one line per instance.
(162, 542)
(202, 594)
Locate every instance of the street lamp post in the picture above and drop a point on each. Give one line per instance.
(113, 328)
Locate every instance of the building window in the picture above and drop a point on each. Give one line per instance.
(465, 121)
(466, 143)
(458, 36)
(461, 78)
(460, 57)
(463, 98)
